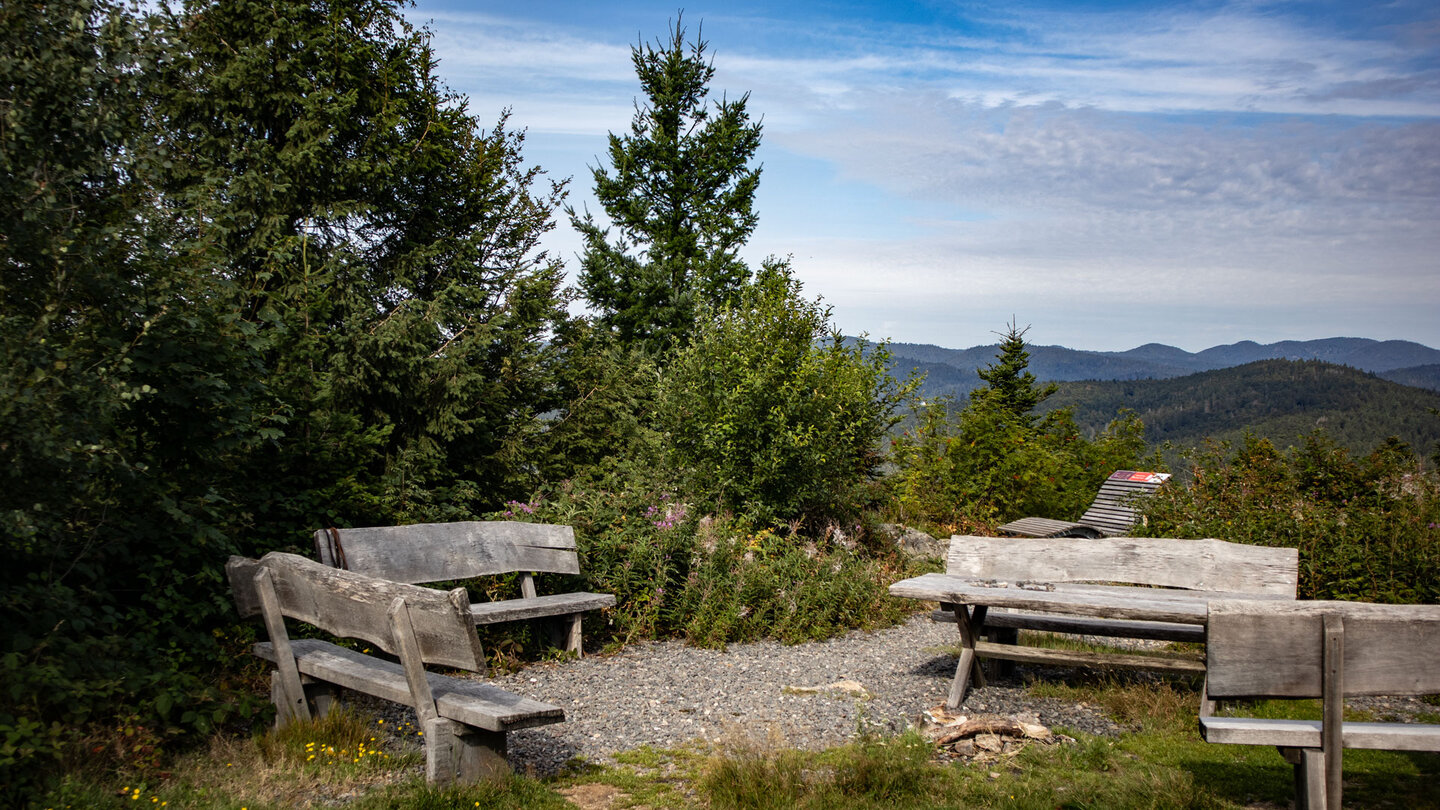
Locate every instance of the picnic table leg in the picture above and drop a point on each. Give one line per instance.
(970, 624)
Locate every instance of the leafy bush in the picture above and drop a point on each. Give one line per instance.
(708, 579)
(995, 460)
(768, 409)
(1366, 528)
(983, 468)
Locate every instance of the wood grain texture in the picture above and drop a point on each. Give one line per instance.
(1274, 649)
(472, 703)
(558, 604)
(1184, 607)
(1086, 626)
(1088, 658)
(353, 605)
(1306, 733)
(438, 552)
(1207, 565)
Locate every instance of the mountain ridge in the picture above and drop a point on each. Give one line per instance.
(952, 371)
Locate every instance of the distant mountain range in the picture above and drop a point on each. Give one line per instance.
(952, 371)
(1282, 400)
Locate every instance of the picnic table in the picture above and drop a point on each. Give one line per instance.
(1110, 608)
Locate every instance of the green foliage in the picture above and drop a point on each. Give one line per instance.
(711, 580)
(768, 409)
(1280, 400)
(680, 197)
(1010, 388)
(385, 250)
(995, 461)
(258, 273)
(1367, 528)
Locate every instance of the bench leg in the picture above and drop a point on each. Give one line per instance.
(1001, 667)
(969, 665)
(1309, 776)
(322, 697)
(460, 753)
(565, 634)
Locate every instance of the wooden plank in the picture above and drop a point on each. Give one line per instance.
(1208, 565)
(559, 604)
(1087, 626)
(420, 697)
(1273, 649)
(1332, 662)
(1091, 602)
(470, 702)
(353, 605)
(1087, 658)
(436, 552)
(1306, 733)
(288, 693)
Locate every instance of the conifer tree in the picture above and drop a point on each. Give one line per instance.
(1011, 387)
(680, 194)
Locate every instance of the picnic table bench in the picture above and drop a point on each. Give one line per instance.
(450, 552)
(1326, 650)
(1126, 587)
(464, 722)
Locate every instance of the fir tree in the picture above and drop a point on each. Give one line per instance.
(1011, 387)
(680, 194)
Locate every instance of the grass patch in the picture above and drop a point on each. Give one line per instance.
(1160, 763)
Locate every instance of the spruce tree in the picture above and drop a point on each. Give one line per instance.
(680, 194)
(1011, 387)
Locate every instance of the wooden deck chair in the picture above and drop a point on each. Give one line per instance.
(1111, 515)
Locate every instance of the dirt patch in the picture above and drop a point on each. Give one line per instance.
(596, 796)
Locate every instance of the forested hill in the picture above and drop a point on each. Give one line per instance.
(1277, 399)
(952, 371)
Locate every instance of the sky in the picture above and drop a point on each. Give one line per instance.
(1109, 174)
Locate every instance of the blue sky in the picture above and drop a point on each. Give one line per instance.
(1111, 174)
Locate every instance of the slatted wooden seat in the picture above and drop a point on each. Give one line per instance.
(464, 722)
(1327, 650)
(1111, 514)
(451, 552)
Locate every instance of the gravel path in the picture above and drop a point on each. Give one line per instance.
(666, 694)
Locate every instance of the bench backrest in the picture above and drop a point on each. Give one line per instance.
(1266, 649)
(352, 605)
(1113, 511)
(1203, 565)
(440, 552)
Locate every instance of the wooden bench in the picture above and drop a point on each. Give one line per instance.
(464, 722)
(1199, 567)
(450, 552)
(1111, 514)
(1326, 650)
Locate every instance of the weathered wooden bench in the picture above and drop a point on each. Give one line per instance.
(464, 722)
(1192, 571)
(450, 552)
(1326, 650)
(1111, 514)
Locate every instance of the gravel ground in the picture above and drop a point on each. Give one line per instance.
(665, 694)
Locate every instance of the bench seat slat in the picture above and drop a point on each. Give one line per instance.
(469, 702)
(1083, 626)
(1086, 658)
(559, 604)
(1306, 733)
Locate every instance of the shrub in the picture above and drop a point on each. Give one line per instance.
(768, 409)
(711, 579)
(1366, 528)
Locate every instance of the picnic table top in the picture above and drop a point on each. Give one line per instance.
(1082, 599)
